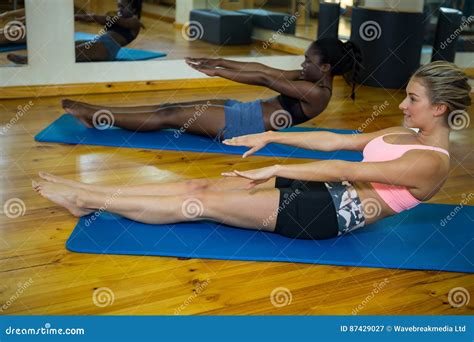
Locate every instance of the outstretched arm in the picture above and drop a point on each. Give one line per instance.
(412, 170)
(13, 14)
(320, 141)
(302, 90)
(242, 66)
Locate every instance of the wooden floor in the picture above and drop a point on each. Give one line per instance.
(39, 276)
(163, 36)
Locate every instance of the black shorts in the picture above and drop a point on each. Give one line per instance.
(306, 210)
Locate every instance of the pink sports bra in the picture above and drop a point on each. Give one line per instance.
(397, 197)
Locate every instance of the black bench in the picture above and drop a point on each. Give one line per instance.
(223, 27)
(272, 20)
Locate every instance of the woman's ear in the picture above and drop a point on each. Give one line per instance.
(325, 67)
(441, 109)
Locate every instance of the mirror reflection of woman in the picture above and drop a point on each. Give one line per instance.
(303, 94)
(118, 31)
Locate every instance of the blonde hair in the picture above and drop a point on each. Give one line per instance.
(445, 84)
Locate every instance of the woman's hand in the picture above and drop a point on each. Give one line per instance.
(257, 176)
(254, 141)
(204, 65)
(207, 70)
(209, 62)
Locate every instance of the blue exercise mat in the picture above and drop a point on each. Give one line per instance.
(125, 54)
(69, 130)
(414, 239)
(12, 47)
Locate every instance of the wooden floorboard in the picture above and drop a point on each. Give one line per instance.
(32, 246)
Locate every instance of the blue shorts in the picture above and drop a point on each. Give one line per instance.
(242, 118)
(110, 45)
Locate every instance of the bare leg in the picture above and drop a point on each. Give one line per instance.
(163, 189)
(72, 106)
(205, 120)
(238, 208)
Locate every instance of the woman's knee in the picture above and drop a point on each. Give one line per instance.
(199, 205)
(198, 184)
(219, 184)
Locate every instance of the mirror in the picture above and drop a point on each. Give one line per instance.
(130, 30)
(13, 49)
(306, 12)
(104, 28)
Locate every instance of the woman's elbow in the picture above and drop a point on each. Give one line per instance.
(263, 79)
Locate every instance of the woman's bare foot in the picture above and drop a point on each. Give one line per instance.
(62, 195)
(80, 110)
(17, 59)
(72, 103)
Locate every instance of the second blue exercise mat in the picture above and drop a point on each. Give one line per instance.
(12, 47)
(415, 239)
(125, 54)
(69, 130)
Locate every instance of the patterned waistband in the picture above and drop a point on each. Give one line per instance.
(349, 211)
